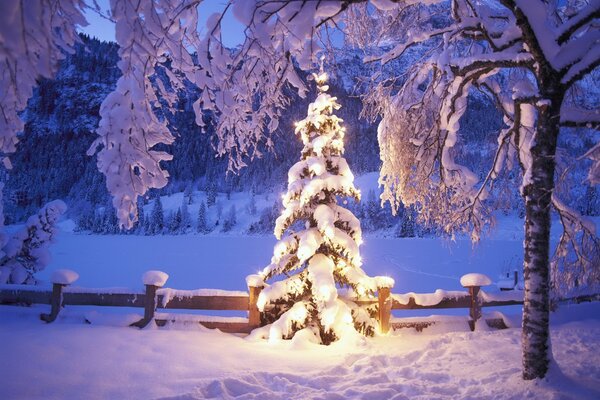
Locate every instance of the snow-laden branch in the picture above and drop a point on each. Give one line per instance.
(33, 38)
(578, 252)
(579, 117)
(578, 21)
(129, 129)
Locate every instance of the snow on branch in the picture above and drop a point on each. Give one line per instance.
(578, 21)
(579, 117)
(34, 37)
(148, 34)
(28, 251)
(577, 254)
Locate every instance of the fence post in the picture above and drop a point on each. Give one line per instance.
(385, 309)
(474, 282)
(152, 280)
(475, 309)
(255, 285)
(60, 278)
(55, 303)
(149, 307)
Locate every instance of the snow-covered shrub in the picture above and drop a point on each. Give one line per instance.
(27, 252)
(320, 251)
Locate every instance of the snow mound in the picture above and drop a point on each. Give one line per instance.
(64, 276)
(475, 279)
(155, 278)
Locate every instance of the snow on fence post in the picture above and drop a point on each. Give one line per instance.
(255, 285)
(152, 280)
(473, 282)
(60, 278)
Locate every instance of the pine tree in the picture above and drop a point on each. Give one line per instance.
(202, 225)
(141, 222)
(323, 254)
(188, 194)
(175, 222)
(219, 213)
(230, 219)
(251, 207)
(406, 227)
(157, 219)
(211, 194)
(186, 220)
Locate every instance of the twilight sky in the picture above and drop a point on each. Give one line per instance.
(103, 29)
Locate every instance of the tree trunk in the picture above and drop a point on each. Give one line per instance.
(537, 193)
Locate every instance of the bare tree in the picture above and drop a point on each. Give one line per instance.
(529, 56)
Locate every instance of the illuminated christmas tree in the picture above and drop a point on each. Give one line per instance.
(318, 249)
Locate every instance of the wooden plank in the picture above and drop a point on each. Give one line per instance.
(365, 303)
(461, 302)
(227, 327)
(105, 299)
(20, 296)
(502, 303)
(419, 326)
(497, 323)
(206, 303)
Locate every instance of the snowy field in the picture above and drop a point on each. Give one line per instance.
(72, 360)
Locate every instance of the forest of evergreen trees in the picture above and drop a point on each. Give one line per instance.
(51, 161)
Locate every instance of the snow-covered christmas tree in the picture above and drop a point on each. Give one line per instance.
(318, 249)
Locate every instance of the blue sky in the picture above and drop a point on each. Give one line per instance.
(232, 30)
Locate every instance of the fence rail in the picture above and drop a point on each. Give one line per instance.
(154, 298)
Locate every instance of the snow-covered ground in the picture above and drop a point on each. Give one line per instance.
(69, 359)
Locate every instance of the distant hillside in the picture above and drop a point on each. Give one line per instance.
(62, 115)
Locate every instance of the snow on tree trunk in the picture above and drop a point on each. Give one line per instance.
(320, 251)
(537, 190)
(27, 252)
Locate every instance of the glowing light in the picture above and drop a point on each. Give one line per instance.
(361, 291)
(280, 248)
(347, 318)
(325, 292)
(275, 334)
(298, 313)
(329, 232)
(329, 318)
(304, 252)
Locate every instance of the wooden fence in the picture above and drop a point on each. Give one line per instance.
(155, 298)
